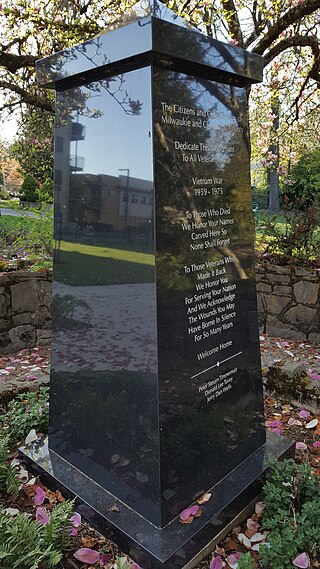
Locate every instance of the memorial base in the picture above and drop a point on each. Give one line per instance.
(176, 545)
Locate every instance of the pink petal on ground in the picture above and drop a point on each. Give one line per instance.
(76, 520)
(292, 422)
(106, 558)
(73, 532)
(315, 376)
(216, 563)
(86, 555)
(39, 497)
(42, 516)
(275, 423)
(32, 377)
(316, 444)
(276, 432)
(134, 565)
(233, 559)
(188, 512)
(301, 446)
(251, 524)
(302, 561)
(304, 414)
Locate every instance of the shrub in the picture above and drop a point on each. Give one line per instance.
(305, 176)
(28, 411)
(292, 499)
(46, 191)
(29, 189)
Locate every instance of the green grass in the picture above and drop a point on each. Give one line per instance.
(11, 222)
(80, 264)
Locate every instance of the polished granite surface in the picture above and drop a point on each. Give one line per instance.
(149, 32)
(174, 545)
(156, 388)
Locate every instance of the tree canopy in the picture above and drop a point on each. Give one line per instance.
(276, 29)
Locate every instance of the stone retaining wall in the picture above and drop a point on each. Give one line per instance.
(289, 302)
(25, 310)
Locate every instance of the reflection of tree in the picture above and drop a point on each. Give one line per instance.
(177, 191)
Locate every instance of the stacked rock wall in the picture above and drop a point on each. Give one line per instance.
(25, 310)
(289, 302)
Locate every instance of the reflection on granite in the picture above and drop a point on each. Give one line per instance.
(150, 31)
(174, 545)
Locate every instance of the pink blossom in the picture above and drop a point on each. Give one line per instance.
(86, 555)
(188, 512)
(43, 516)
(216, 563)
(39, 497)
(304, 414)
(301, 446)
(76, 520)
(302, 561)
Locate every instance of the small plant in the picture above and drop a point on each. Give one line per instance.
(296, 239)
(245, 562)
(28, 411)
(29, 544)
(29, 189)
(8, 480)
(292, 499)
(36, 238)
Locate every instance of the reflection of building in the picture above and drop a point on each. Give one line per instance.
(66, 163)
(110, 202)
(107, 203)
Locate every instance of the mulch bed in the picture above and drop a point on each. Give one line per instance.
(282, 418)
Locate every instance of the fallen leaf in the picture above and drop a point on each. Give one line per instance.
(257, 537)
(89, 541)
(204, 498)
(229, 544)
(312, 424)
(244, 540)
(259, 508)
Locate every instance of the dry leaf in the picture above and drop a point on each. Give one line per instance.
(89, 541)
(204, 498)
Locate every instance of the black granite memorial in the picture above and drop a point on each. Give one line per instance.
(156, 389)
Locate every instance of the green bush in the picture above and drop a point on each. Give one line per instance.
(29, 190)
(8, 480)
(292, 514)
(305, 176)
(27, 411)
(296, 239)
(46, 191)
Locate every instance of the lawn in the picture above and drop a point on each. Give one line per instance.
(81, 264)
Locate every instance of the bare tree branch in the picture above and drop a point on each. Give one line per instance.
(28, 97)
(233, 21)
(294, 41)
(307, 8)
